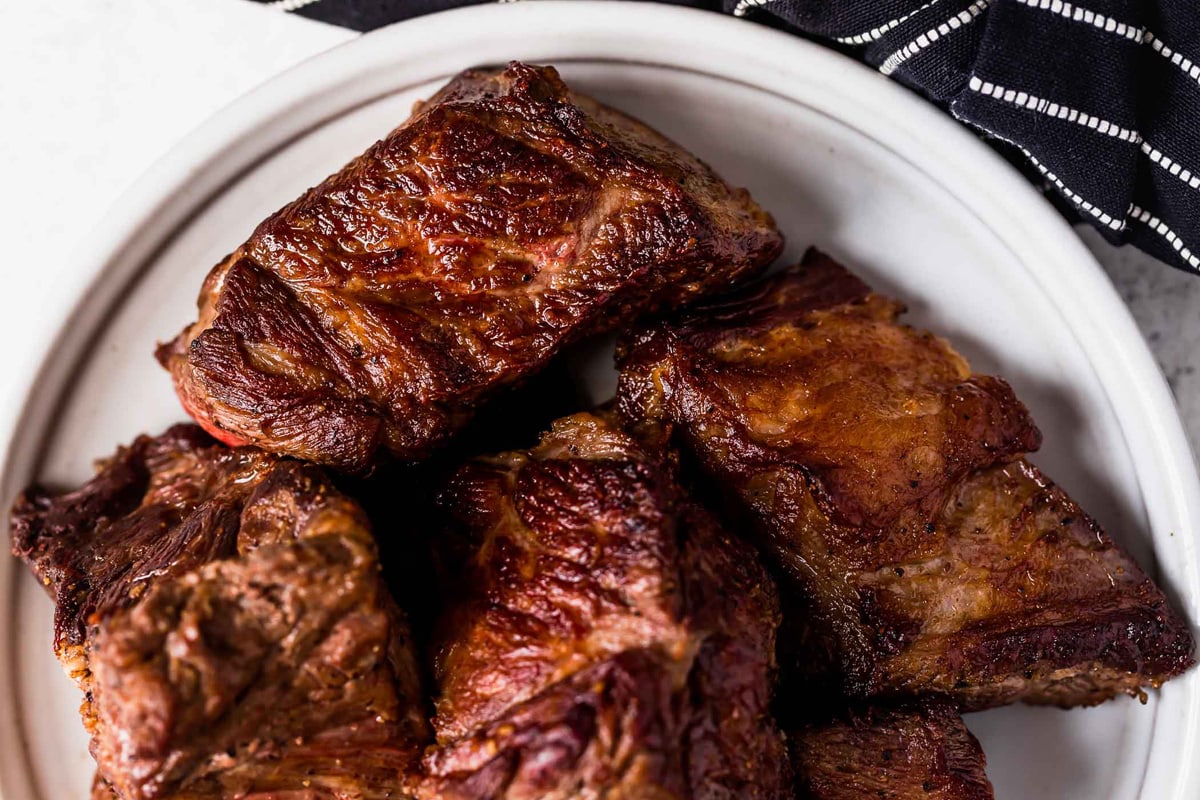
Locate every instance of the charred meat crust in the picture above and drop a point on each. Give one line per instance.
(915, 752)
(507, 218)
(604, 634)
(224, 614)
(885, 480)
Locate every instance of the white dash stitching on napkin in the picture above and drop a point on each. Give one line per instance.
(1049, 109)
(1135, 211)
(1088, 17)
(876, 33)
(1123, 29)
(930, 36)
(1102, 126)
(1162, 229)
(1106, 219)
(745, 5)
(1171, 165)
(1189, 68)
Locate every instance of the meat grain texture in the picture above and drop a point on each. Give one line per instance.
(604, 637)
(921, 751)
(507, 218)
(223, 612)
(887, 481)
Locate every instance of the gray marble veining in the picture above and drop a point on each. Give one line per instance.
(1166, 304)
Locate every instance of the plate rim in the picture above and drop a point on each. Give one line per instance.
(193, 171)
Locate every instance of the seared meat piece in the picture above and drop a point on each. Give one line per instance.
(885, 480)
(508, 217)
(919, 752)
(286, 669)
(810, 369)
(605, 637)
(1018, 594)
(224, 614)
(156, 510)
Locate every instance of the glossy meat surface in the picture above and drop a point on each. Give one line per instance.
(812, 369)
(886, 481)
(1018, 594)
(605, 637)
(918, 752)
(223, 612)
(507, 218)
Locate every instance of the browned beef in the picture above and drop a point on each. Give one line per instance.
(604, 636)
(917, 752)
(508, 217)
(222, 610)
(886, 481)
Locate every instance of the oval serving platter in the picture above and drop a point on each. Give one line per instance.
(842, 157)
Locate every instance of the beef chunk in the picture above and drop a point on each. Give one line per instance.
(605, 637)
(918, 752)
(157, 509)
(508, 217)
(222, 610)
(811, 369)
(886, 481)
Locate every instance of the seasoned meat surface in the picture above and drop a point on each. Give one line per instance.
(222, 610)
(886, 481)
(810, 368)
(508, 217)
(917, 752)
(1018, 594)
(604, 638)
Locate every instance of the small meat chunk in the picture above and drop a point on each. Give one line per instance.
(917, 752)
(887, 482)
(223, 612)
(605, 637)
(506, 219)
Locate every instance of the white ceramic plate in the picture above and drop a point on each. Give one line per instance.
(839, 155)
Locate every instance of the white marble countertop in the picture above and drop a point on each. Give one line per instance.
(95, 90)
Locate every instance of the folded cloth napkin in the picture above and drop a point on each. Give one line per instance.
(1099, 98)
